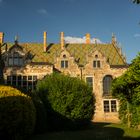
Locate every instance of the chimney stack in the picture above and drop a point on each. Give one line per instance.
(45, 41)
(62, 40)
(87, 38)
(1, 37)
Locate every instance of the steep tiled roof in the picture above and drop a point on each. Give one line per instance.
(79, 51)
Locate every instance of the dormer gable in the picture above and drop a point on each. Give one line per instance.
(15, 56)
(96, 60)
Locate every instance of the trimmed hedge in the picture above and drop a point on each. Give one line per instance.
(68, 101)
(17, 113)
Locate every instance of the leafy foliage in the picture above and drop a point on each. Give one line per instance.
(17, 113)
(67, 100)
(41, 116)
(136, 1)
(127, 89)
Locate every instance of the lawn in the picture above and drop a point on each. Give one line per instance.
(96, 131)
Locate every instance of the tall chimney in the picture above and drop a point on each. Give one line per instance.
(62, 40)
(1, 37)
(87, 38)
(45, 41)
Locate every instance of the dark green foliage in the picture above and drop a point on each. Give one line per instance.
(127, 89)
(41, 117)
(136, 1)
(17, 114)
(67, 100)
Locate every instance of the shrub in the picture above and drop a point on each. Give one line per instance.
(67, 100)
(17, 113)
(41, 116)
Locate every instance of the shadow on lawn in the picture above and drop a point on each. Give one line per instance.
(105, 132)
(96, 131)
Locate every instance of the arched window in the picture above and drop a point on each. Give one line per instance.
(107, 81)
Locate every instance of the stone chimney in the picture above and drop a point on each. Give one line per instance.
(62, 40)
(45, 42)
(87, 38)
(1, 37)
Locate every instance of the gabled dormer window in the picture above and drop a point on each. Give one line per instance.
(64, 63)
(15, 59)
(96, 62)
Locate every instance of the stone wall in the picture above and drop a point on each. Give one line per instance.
(39, 70)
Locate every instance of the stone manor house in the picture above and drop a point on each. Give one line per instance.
(97, 64)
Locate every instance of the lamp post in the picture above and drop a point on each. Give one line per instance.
(81, 71)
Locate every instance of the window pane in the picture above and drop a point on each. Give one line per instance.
(62, 64)
(29, 77)
(34, 78)
(24, 78)
(94, 64)
(19, 81)
(89, 81)
(107, 81)
(113, 106)
(15, 61)
(19, 78)
(66, 64)
(98, 64)
(106, 106)
(14, 78)
(20, 61)
(9, 78)
(10, 61)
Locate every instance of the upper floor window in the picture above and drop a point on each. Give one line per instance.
(107, 82)
(89, 81)
(96, 64)
(15, 60)
(64, 64)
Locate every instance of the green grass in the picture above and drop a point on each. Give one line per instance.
(97, 131)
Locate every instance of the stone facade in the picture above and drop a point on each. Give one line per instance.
(96, 64)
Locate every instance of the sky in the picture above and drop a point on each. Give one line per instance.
(30, 18)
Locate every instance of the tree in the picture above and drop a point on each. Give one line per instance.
(136, 1)
(68, 100)
(2, 62)
(127, 89)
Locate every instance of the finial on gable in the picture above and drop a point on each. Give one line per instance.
(16, 39)
(114, 40)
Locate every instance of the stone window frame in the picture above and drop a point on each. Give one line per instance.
(64, 64)
(92, 86)
(110, 107)
(96, 62)
(27, 82)
(106, 86)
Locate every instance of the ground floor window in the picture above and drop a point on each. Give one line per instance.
(110, 105)
(22, 81)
